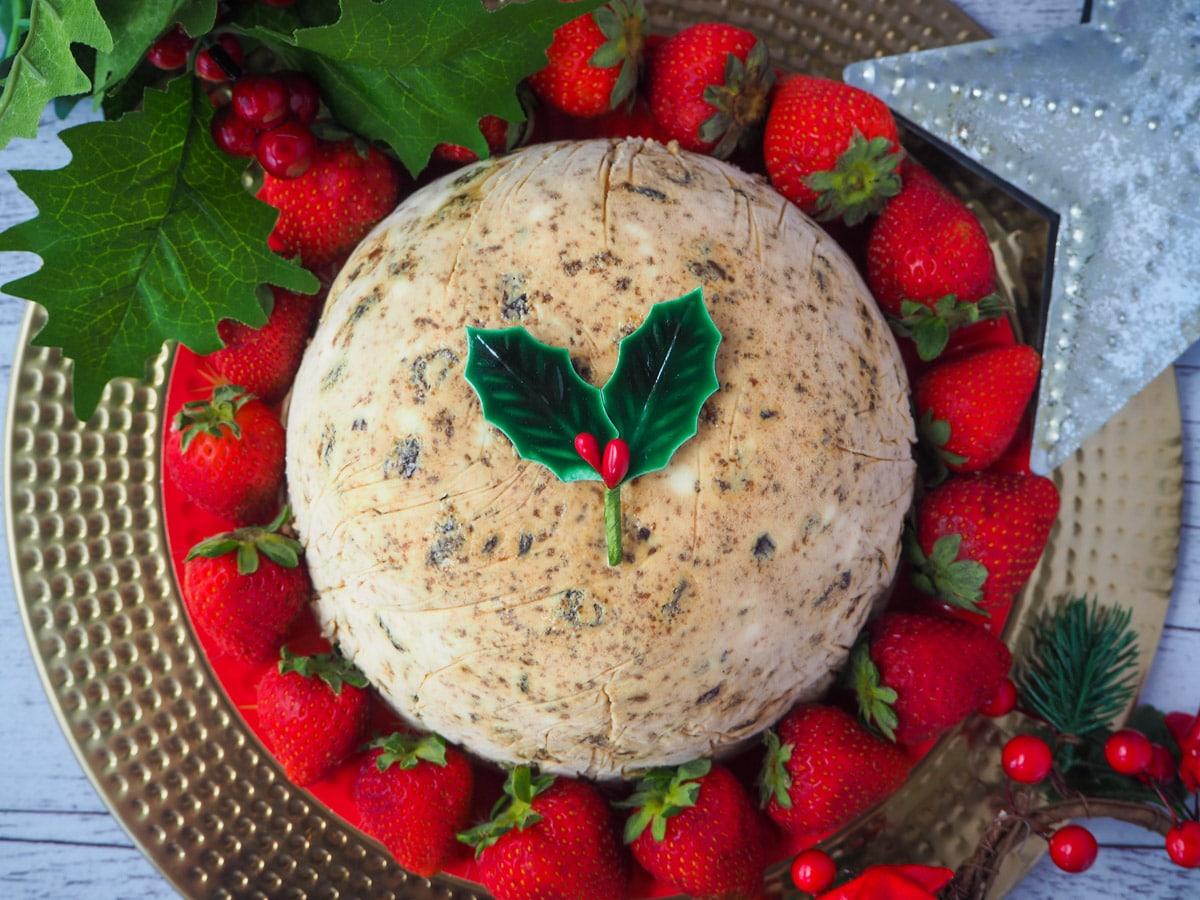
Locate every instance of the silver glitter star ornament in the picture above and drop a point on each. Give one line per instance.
(1100, 125)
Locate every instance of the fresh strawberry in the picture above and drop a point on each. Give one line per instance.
(264, 360)
(414, 794)
(978, 538)
(831, 148)
(917, 676)
(325, 212)
(314, 712)
(550, 838)
(499, 134)
(593, 60)
(929, 263)
(226, 455)
(695, 827)
(246, 588)
(970, 407)
(710, 83)
(823, 768)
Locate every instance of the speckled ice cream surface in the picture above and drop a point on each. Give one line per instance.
(472, 586)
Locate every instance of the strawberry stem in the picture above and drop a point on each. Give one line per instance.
(612, 524)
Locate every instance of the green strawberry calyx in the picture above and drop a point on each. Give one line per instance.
(774, 780)
(408, 750)
(660, 794)
(875, 699)
(862, 180)
(214, 417)
(250, 541)
(940, 573)
(740, 102)
(332, 668)
(929, 325)
(935, 460)
(622, 22)
(513, 811)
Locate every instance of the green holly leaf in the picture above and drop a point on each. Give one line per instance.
(665, 371)
(414, 73)
(44, 66)
(140, 25)
(146, 236)
(531, 392)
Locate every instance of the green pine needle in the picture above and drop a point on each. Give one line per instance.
(1081, 671)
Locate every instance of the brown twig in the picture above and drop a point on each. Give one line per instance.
(975, 876)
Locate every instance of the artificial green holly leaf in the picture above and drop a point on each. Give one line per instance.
(531, 392)
(146, 235)
(415, 73)
(140, 25)
(665, 371)
(44, 67)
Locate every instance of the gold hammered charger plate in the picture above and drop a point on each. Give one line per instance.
(197, 792)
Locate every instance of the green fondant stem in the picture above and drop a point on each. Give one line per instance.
(612, 524)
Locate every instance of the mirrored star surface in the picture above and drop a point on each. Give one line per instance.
(1100, 124)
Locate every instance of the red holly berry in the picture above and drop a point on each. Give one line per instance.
(413, 793)
(615, 464)
(314, 712)
(170, 51)
(1027, 759)
(1162, 767)
(497, 132)
(1073, 848)
(286, 150)
(1183, 844)
(221, 60)
(260, 100)
(831, 148)
(1128, 751)
(227, 455)
(710, 82)
(325, 212)
(245, 589)
(813, 871)
(593, 61)
(233, 135)
(694, 827)
(1003, 699)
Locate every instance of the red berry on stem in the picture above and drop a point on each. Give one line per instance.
(813, 871)
(170, 51)
(1003, 699)
(1162, 767)
(221, 60)
(1073, 848)
(262, 100)
(1128, 751)
(1183, 845)
(1027, 759)
(588, 447)
(615, 464)
(287, 150)
(304, 97)
(233, 135)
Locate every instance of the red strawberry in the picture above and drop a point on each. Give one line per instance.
(709, 83)
(831, 148)
(314, 712)
(929, 263)
(593, 60)
(695, 828)
(978, 538)
(325, 212)
(551, 838)
(970, 407)
(414, 794)
(245, 589)
(918, 676)
(264, 360)
(823, 768)
(226, 455)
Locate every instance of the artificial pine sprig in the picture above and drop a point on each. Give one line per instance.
(1081, 670)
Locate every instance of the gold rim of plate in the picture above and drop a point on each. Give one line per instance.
(206, 803)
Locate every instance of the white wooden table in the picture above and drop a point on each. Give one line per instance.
(58, 840)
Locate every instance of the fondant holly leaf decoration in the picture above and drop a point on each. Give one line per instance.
(664, 374)
(138, 248)
(531, 392)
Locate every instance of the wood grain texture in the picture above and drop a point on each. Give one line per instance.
(58, 840)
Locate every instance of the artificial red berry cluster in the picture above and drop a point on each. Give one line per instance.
(263, 116)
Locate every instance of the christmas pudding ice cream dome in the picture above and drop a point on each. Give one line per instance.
(473, 586)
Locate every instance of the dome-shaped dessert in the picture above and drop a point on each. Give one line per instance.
(473, 586)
